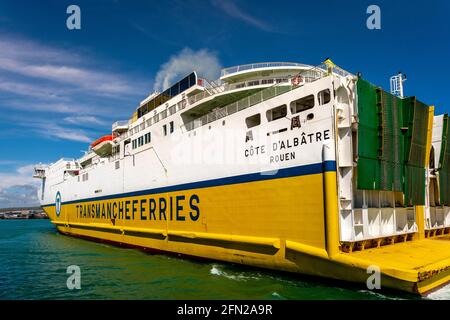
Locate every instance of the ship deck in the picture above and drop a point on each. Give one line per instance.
(424, 262)
(415, 255)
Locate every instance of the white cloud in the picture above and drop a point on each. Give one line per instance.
(19, 196)
(7, 162)
(204, 62)
(83, 120)
(26, 170)
(65, 133)
(26, 89)
(18, 188)
(97, 82)
(62, 85)
(57, 89)
(234, 11)
(53, 107)
(21, 176)
(50, 129)
(26, 50)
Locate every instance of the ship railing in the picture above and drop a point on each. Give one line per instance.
(305, 76)
(40, 167)
(122, 123)
(239, 105)
(251, 66)
(199, 96)
(39, 171)
(211, 88)
(333, 69)
(73, 166)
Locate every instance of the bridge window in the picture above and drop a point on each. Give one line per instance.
(324, 96)
(253, 121)
(302, 104)
(184, 84)
(171, 127)
(276, 113)
(165, 130)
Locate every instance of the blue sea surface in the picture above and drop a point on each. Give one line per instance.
(34, 259)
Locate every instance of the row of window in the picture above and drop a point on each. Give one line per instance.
(84, 177)
(297, 106)
(258, 82)
(147, 138)
(159, 116)
(139, 142)
(168, 94)
(171, 128)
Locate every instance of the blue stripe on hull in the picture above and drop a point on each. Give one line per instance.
(251, 177)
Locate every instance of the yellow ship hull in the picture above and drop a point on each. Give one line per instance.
(287, 222)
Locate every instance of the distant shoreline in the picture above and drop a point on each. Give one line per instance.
(22, 213)
(2, 210)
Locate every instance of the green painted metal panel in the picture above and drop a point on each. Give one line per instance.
(368, 162)
(444, 140)
(380, 140)
(444, 170)
(392, 134)
(368, 120)
(391, 141)
(415, 114)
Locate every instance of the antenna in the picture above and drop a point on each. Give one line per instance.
(397, 84)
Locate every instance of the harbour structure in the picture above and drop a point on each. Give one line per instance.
(287, 166)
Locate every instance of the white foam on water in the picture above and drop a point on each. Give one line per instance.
(277, 295)
(379, 295)
(239, 277)
(215, 271)
(441, 294)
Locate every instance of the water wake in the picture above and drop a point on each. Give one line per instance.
(441, 294)
(379, 295)
(237, 277)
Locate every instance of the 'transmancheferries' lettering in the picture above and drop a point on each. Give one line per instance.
(282, 148)
(177, 208)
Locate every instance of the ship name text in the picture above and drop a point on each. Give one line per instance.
(179, 208)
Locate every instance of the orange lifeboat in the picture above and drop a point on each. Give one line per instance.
(103, 146)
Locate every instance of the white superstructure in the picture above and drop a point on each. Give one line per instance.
(200, 133)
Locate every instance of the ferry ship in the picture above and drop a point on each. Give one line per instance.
(286, 166)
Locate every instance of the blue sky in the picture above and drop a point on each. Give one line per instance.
(60, 88)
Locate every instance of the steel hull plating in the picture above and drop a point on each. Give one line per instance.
(271, 223)
(262, 176)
